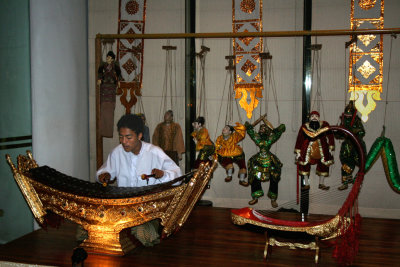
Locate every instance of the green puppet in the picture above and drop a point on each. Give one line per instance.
(382, 147)
(349, 156)
(264, 166)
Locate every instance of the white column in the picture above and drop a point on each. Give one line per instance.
(59, 67)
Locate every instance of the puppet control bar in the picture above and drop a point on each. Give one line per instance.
(248, 34)
(99, 37)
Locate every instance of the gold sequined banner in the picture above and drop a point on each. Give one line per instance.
(247, 17)
(366, 56)
(132, 16)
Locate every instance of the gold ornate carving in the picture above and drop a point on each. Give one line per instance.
(26, 188)
(325, 231)
(313, 245)
(104, 219)
(248, 67)
(367, 39)
(366, 55)
(366, 69)
(292, 245)
(248, 6)
(366, 4)
(248, 93)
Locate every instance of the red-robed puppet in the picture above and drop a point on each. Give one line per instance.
(314, 148)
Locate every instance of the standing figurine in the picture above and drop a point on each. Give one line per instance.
(264, 166)
(204, 145)
(109, 76)
(349, 157)
(229, 152)
(168, 136)
(314, 145)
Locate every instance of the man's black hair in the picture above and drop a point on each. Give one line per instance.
(170, 112)
(111, 54)
(131, 121)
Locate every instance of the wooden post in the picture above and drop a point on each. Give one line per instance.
(190, 83)
(307, 80)
(99, 138)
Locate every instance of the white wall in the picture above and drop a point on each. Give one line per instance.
(377, 199)
(59, 85)
(161, 17)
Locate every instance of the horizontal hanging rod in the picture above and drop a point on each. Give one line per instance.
(247, 34)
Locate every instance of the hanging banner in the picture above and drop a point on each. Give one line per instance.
(132, 16)
(247, 17)
(366, 56)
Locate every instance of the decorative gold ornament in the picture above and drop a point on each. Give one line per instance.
(105, 218)
(323, 231)
(247, 17)
(366, 56)
(367, 39)
(248, 6)
(366, 4)
(366, 69)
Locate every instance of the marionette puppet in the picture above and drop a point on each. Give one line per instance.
(264, 166)
(228, 151)
(349, 156)
(204, 146)
(109, 77)
(146, 130)
(314, 146)
(168, 136)
(382, 147)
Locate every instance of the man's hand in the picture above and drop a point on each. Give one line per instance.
(104, 178)
(157, 173)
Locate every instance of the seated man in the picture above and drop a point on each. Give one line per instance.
(134, 163)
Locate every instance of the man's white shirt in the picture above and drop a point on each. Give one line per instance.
(128, 167)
